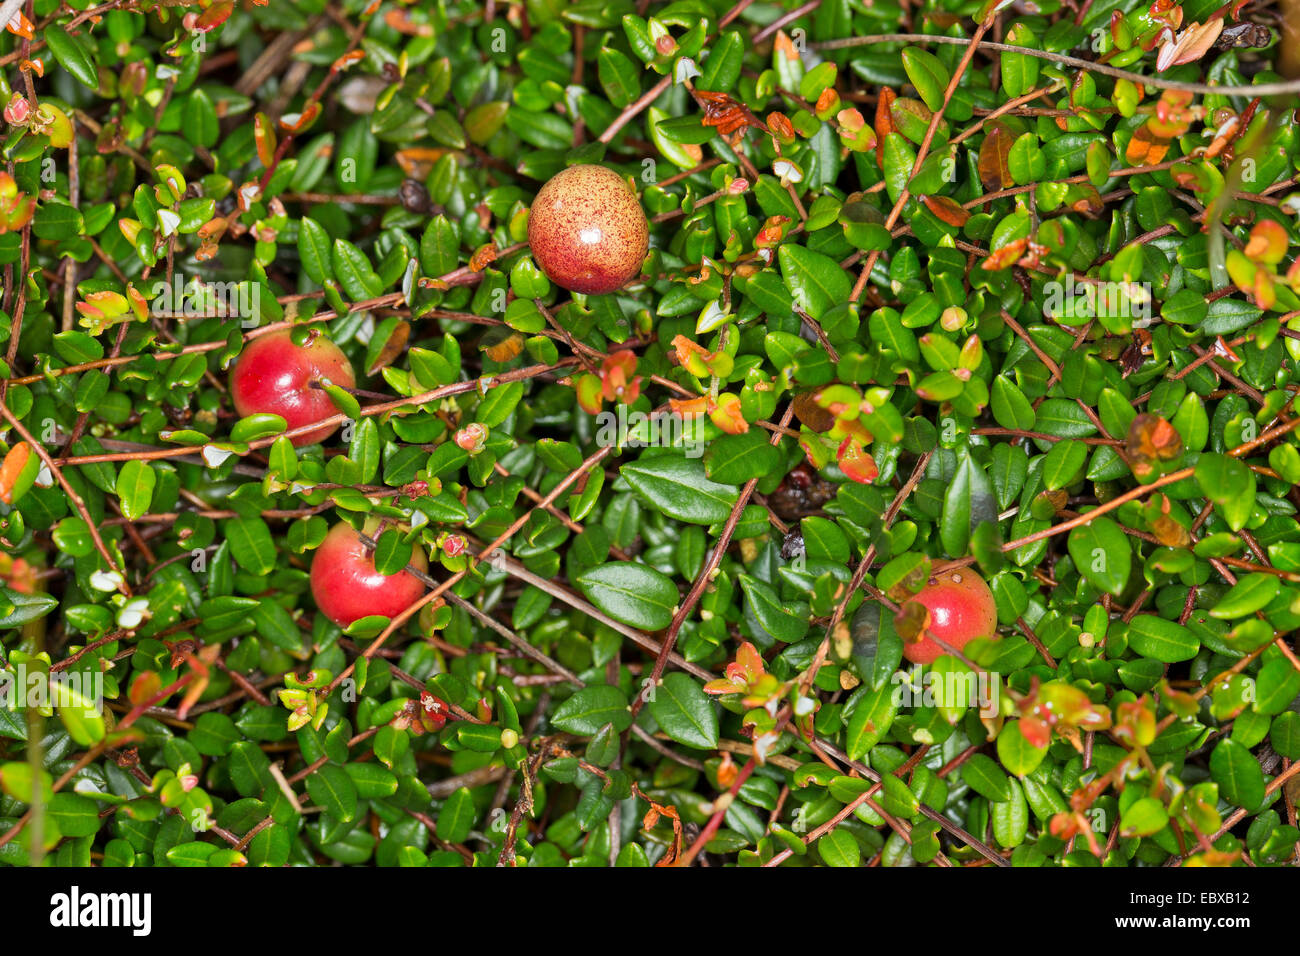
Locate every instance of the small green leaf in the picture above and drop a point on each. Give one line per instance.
(1019, 72)
(1277, 687)
(838, 848)
(1162, 640)
(1101, 554)
(135, 486)
(986, 778)
(722, 69)
(1238, 774)
(72, 55)
(314, 250)
(684, 712)
(1010, 818)
(680, 488)
(620, 78)
(591, 709)
(928, 75)
(392, 554)
(76, 816)
(873, 714)
(967, 504)
(333, 789)
(815, 280)
(735, 459)
(1010, 407)
(1017, 754)
(355, 273)
(1252, 593)
(1230, 485)
(634, 594)
(778, 620)
(440, 247)
(251, 544)
(457, 816)
(252, 427)
(1063, 463)
(1144, 817)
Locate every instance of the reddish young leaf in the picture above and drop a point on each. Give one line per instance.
(214, 16)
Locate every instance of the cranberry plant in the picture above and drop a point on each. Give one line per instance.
(940, 293)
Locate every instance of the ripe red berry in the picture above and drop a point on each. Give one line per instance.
(347, 586)
(961, 608)
(272, 375)
(587, 230)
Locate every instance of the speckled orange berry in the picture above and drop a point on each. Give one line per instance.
(587, 230)
(961, 609)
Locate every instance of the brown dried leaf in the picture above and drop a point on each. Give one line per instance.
(1190, 45)
(501, 345)
(1145, 148)
(884, 122)
(1152, 437)
(417, 161)
(912, 621)
(947, 210)
(1084, 198)
(811, 414)
(1169, 532)
(994, 167)
(1005, 257)
(394, 347)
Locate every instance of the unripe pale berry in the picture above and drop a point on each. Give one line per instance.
(272, 375)
(961, 609)
(346, 585)
(587, 230)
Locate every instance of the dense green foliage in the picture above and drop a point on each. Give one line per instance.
(909, 306)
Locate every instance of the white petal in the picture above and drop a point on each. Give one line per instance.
(711, 318)
(787, 171)
(128, 618)
(214, 456)
(105, 580)
(169, 221)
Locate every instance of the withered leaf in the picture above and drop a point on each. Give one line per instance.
(947, 210)
(994, 158)
(394, 347)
